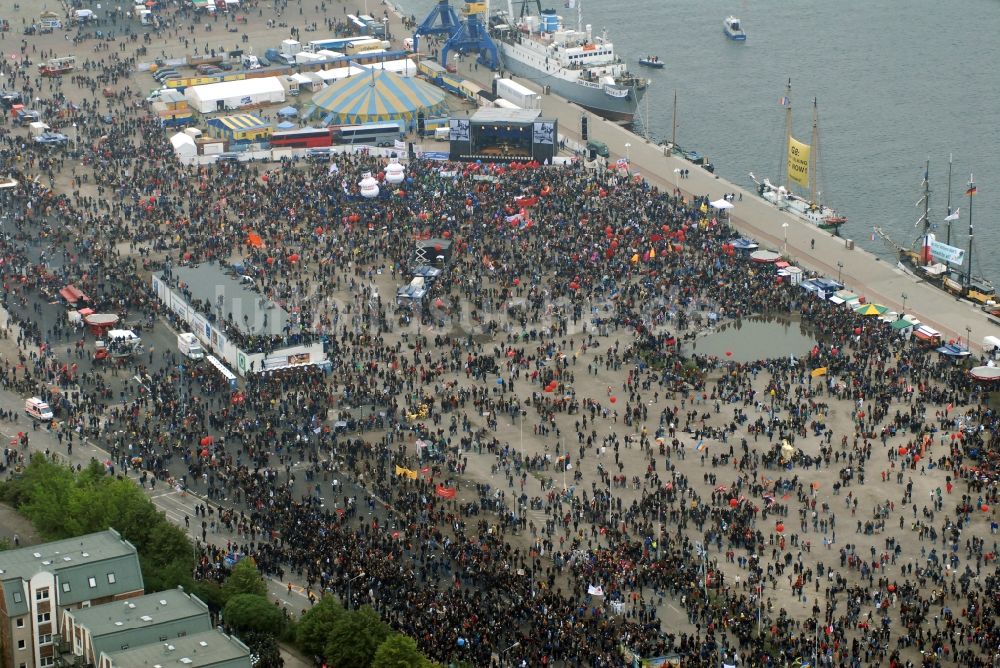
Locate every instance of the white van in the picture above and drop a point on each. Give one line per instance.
(189, 346)
(38, 409)
(442, 134)
(156, 94)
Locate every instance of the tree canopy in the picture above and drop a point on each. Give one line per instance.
(64, 503)
(249, 612)
(355, 637)
(244, 579)
(399, 651)
(315, 626)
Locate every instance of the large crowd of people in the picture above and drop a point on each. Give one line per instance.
(658, 502)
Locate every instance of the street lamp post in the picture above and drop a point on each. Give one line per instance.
(349, 581)
(968, 337)
(905, 297)
(784, 243)
(840, 270)
(504, 651)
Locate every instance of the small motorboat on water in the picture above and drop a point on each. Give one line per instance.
(734, 31)
(651, 61)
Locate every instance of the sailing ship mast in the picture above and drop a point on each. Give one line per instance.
(673, 132)
(948, 219)
(968, 269)
(788, 133)
(926, 200)
(814, 156)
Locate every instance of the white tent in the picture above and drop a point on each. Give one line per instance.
(184, 146)
(721, 204)
(235, 94)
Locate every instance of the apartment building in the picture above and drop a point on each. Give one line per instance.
(115, 627)
(41, 583)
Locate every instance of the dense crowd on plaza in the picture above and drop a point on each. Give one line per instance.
(669, 488)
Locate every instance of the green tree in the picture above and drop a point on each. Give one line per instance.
(244, 579)
(249, 612)
(399, 651)
(355, 638)
(316, 624)
(264, 649)
(63, 503)
(168, 555)
(210, 592)
(43, 496)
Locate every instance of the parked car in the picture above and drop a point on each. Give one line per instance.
(207, 69)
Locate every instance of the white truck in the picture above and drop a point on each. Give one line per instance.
(189, 346)
(516, 93)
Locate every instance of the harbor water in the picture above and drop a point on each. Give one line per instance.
(752, 339)
(895, 85)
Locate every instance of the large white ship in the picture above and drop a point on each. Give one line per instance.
(573, 64)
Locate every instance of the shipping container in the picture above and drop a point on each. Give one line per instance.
(520, 95)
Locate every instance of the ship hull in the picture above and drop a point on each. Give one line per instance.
(620, 109)
(823, 218)
(981, 291)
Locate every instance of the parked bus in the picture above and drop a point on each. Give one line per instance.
(371, 134)
(331, 44)
(302, 138)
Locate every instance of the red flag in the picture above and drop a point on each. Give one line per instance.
(445, 492)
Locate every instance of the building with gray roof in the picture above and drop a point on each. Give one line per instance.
(151, 619)
(211, 649)
(41, 583)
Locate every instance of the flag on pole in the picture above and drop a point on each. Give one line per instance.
(953, 216)
(701, 445)
(972, 189)
(784, 101)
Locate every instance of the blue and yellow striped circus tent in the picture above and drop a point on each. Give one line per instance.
(377, 97)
